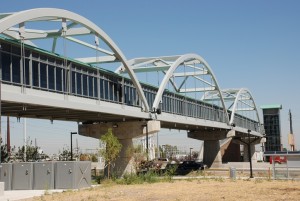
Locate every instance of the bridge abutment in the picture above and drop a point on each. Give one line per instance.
(125, 132)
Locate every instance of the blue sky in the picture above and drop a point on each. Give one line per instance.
(251, 44)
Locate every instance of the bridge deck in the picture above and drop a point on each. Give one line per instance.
(65, 89)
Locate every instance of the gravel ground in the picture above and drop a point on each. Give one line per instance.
(199, 189)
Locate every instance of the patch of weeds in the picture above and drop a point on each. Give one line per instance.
(129, 179)
(205, 179)
(219, 179)
(201, 173)
(169, 173)
(149, 177)
(108, 183)
(167, 178)
(46, 192)
(258, 181)
(233, 180)
(189, 179)
(206, 173)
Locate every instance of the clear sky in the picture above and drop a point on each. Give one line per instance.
(250, 44)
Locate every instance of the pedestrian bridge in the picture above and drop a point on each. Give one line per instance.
(58, 65)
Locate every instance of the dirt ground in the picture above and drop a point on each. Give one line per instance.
(200, 189)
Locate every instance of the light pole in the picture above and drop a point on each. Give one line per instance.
(191, 154)
(147, 142)
(157, 144)
(0, 103)
(72, 133)
(249, 154)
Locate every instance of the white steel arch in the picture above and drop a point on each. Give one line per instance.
(9, 20)
(180, 60)
(239, 97)
(236, 100)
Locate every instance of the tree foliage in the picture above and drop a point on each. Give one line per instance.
(112, 149)
(31, 152)
(4, 154)
(65, 155)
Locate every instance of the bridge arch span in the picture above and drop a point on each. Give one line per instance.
(242, 95)
(8, 23)
(189, 59)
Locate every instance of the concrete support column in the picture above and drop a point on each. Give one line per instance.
(246, 155)
(124, 163)
(212, 153)
(125, 132)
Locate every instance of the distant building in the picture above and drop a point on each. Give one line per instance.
(271, 114)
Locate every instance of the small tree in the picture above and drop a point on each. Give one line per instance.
(31, 152)
(65, 155)
(4, 154)
(112, 150)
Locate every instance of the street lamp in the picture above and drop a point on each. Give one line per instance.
(72, 133)
(0, 104)
(249, 154)
(147, 142)
(191, 154)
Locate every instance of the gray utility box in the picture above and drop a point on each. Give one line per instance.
(6, 175)
(232, 173)
(43, 175)
(72, 175)
(22, 176)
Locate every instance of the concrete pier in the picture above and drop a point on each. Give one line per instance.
(212, 152)
(125, 132)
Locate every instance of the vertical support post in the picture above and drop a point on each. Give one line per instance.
(287, 169)
(0, 103)
(273, 164)
(147, 143)
(249, 154)
(25, 142)
(71, 147)
(158, 152)
(8, 137)
(72, 133)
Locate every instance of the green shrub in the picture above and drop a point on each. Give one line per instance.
(149, 177)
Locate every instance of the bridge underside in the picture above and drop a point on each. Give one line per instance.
(21, 110)
(54, 113)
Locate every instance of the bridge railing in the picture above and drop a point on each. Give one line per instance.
(247, 123)
(180, 105)
(42, 70)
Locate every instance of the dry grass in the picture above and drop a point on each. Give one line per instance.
(200, 189)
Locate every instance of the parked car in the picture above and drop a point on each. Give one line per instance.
(278, 159)
(187, 166)
(160, 163)
(192, 165)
